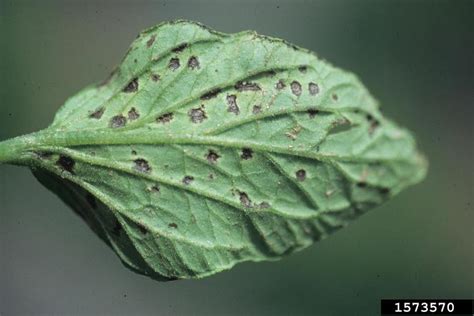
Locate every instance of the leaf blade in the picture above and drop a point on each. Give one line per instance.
(209, 149)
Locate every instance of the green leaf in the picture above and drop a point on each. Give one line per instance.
(205, 149)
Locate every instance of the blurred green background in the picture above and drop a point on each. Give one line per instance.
(416, 57)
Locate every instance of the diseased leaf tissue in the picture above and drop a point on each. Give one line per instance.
(204, 149)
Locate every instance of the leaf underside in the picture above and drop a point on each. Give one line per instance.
(204, 149)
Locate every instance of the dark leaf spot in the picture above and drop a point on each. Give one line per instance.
(188, 179)
(133, 114)
(362, 184)
(118, 121)
(212, 156)
(66, 163)
(211, 94)
(340, 126)
(373, 123)
(313, 88)
(246, 153)
(97, 114)
(174, 64)
(155, 189)
(296, 88)
(245, 200)
(264, 205)
(150, 41)
(173, 225)
(165, 118)
(211, 176)
(155, 77)
(334, 97)
(179, 48)
(256, 109)
(312, 113)
(132, 86)
(197, 115)
(247, 86)
(44, 154)
(232, 104)
(193, 62)
(134, 152)
(142, 165)
(301, 175)
(142, 228)
(269, 73)
(280, 84)
(293, 133)
(302, 68)
(91, 200)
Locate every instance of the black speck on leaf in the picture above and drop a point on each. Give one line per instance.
(165, 118)
(232, 104)
(142, 165)
(118, 121)
(173, 225)
(150, 41)
(187, 180)
(296, 88)
(246, 153)
(247, 86)
(132, 86)
(212, 156)
(280, 84)
(97, 114)
(193, 62)
(256, 109)
(174, 64)
(179, 48)
(313, 88)
(264, 205)
(155, 77)
(312, 113)
(133, 114)
(197, 115)
(301, 175)
(245, 200)
(362, 184)
(44, 154)
(66, 163)
(211, 94)
(373, 123)
(269, 73)
(142, 228)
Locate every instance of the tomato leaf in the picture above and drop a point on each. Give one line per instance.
(204, 149)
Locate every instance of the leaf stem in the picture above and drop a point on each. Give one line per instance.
(12, 150)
